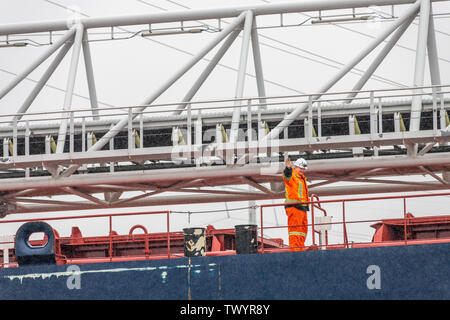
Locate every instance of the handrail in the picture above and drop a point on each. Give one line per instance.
(313, 204)
(318, 206)
(232, 102)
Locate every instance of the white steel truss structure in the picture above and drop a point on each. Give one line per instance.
(252, 136)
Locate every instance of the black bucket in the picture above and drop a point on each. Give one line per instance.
(246, 238)
(194, 242)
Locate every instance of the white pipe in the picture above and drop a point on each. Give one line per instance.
(201, 14)
(419, 69)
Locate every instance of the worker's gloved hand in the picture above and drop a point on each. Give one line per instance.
(288, 163)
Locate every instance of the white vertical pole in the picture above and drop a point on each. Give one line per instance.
(249, 121)
(141, 129)
(27, 146)
(71, 133)
(130, 130)
(433, 62)
(111, 147)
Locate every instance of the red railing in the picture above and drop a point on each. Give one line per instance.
(110, 234)
(317, 204)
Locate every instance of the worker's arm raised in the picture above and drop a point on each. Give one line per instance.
(287, 173)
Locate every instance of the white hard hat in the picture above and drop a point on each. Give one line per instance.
(300, 162)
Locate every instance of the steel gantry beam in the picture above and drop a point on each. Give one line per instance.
(197, 181)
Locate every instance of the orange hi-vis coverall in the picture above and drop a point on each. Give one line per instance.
(296, 191)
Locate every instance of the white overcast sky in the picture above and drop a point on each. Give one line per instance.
(295, 60)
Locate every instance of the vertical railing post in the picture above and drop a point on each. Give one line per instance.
(319, 120)
(262, 231)
(110, 239)
(141, 129)
(71, 133)
(83, 134)
(249, 121)
(312, 222)
(343, 224)
(14, 151)
(168, 234)
(130, 129)
(404, 218)
(27, 146)
(434, 113)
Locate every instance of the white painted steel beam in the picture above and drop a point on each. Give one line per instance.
(200, 14)
(257, 61)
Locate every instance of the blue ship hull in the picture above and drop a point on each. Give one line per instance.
(397, 272)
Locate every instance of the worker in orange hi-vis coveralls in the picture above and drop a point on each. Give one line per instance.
(296, 191)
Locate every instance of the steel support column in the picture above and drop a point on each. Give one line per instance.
(199, 14)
